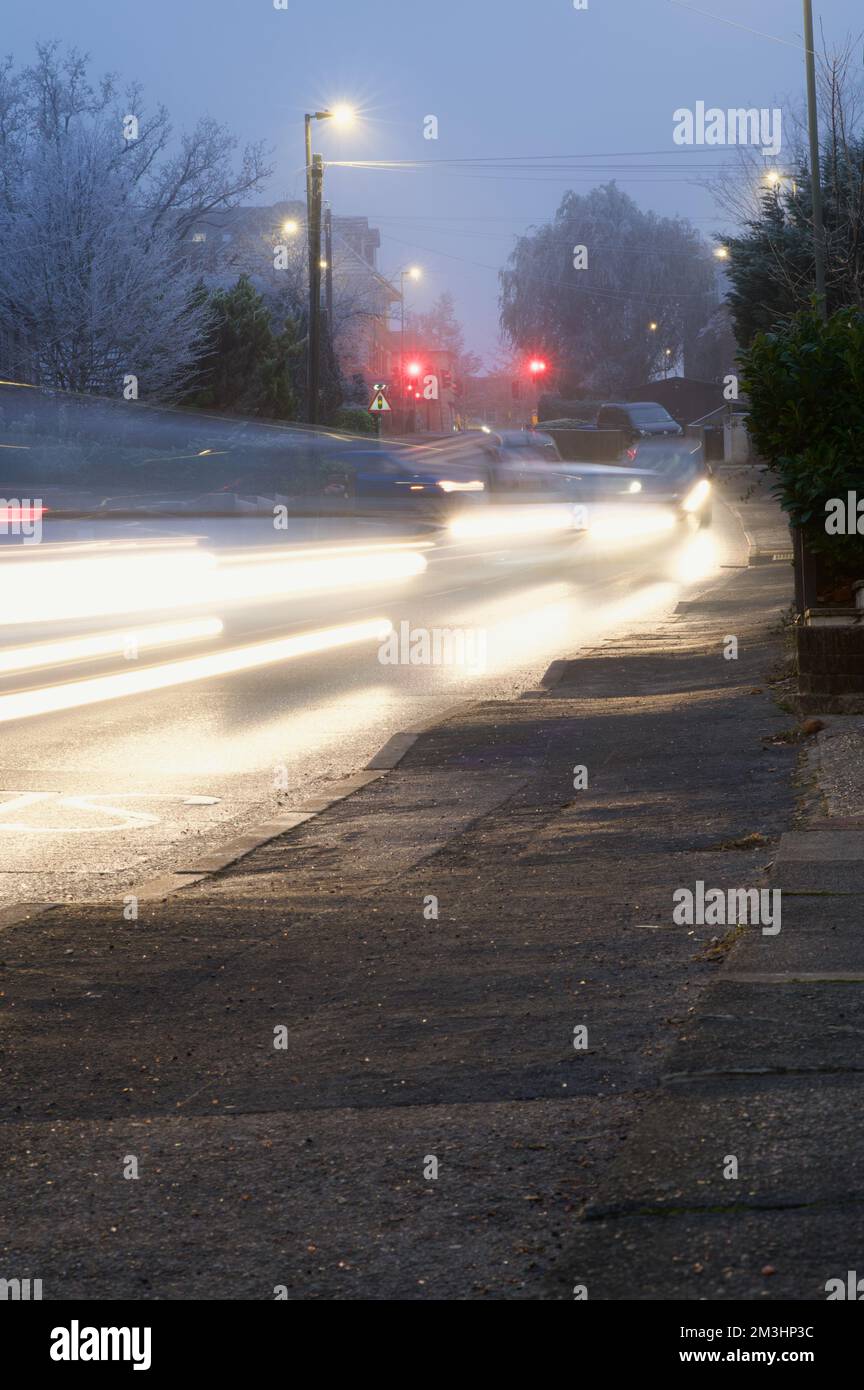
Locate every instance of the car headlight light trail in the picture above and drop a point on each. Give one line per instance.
(99, 644)
(75, 694)
(697, 496)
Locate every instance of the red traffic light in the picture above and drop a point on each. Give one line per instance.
(413, 369)
(537, 366)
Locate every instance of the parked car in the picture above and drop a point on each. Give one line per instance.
(638, 420)
(615, 431)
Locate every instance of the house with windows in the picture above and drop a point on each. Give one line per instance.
(269, 245)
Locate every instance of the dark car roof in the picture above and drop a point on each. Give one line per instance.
(630, 405)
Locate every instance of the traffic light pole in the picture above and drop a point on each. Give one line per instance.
(402, 391)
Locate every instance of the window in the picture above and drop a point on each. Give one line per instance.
(651, 415)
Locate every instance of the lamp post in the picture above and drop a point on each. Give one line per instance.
(342, 115)
(776, 181)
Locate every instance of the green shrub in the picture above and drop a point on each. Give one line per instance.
(354, 420)
(805, 382)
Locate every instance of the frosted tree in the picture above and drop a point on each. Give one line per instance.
(97, 197)
(585, 289)
(91, 292)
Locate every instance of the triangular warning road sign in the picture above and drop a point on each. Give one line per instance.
(379, 403)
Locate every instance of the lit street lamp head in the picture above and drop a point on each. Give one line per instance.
(342, 115)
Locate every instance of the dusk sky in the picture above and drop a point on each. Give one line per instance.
(507, 81)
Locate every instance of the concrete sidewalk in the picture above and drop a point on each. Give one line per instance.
(768, 1071)
(415, 1042)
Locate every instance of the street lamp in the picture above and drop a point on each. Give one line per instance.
(774, 180)
(290, 227)
(666, 355)
(722, 253)
(342, 115)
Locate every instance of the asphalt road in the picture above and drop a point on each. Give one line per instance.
(286, 1047)
(98, 800)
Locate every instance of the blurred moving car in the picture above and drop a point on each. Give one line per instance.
(527, 460)
(678, 478)
(478, 465)
(412, 477)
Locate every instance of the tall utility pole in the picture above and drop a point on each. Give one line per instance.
(309, 120)
(328, 273)
(815, 180)
(316, 183)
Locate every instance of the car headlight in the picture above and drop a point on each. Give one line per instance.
(697, 496)
(635, 486)
(446, 485)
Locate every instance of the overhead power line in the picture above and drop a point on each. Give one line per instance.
(735, 24)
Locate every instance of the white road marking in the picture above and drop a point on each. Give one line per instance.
(128, 819)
